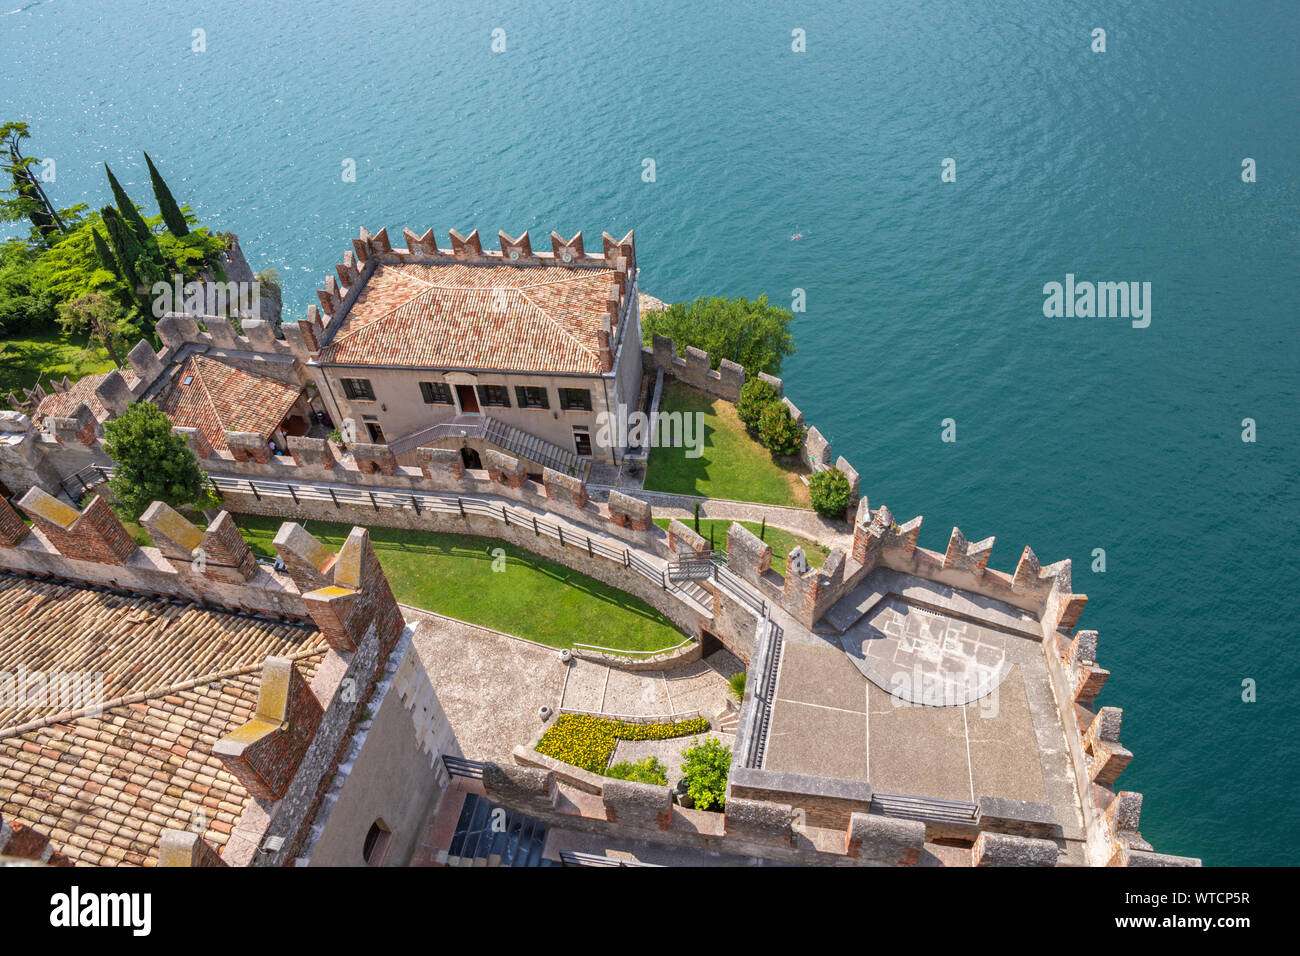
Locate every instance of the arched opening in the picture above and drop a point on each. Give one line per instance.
(469, 457)
(378, 837)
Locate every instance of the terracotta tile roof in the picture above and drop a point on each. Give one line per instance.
(512, 318)
(63, 404)
(177, 677)
(221, 398)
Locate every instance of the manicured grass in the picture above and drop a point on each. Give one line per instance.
(733, 464)
(531, 598)
(782, 542)
(47, 355)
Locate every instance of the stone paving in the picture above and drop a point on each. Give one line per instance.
(832, 534)
(600, 688)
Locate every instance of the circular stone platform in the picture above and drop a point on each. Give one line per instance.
(926, 657)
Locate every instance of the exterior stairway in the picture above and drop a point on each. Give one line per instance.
(726, 720)
(489, 835)
(516, 441)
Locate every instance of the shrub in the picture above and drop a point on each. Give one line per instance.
(755, 397)
(778, 431)
(649, 770)
(829, 492)
(705, 770)
(736, 684)
(588, 742)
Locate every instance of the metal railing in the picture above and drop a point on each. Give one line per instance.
(460, 767)
(493, 430)
(462, 505)
(574, 858)
(615, 652)
(908, 807)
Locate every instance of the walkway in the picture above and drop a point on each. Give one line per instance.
(832, 534)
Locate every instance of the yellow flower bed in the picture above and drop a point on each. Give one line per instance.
(588, 742)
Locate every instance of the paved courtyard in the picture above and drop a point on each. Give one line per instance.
(926, 657)
(828, 720)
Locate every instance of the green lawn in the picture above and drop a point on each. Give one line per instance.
(532, 597)
(782, 542)
(733, 464)
(47, 355)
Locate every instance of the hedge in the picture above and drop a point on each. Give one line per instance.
(588, 742)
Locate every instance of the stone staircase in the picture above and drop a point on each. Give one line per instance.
(489, 835)
(508, 438)
(726, 720)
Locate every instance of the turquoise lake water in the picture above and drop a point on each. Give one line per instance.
(924, 298)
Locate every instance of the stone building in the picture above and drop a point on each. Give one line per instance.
(519, 349)
(185, 705)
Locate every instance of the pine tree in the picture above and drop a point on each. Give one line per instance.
(171, 212)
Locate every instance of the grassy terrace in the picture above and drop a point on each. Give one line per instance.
(47, 355)
(733, 465)
(782, 542)
(531, 598)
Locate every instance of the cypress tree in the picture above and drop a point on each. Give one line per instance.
(105, 254)
(130, 214)
(171, 212)
(125, 247)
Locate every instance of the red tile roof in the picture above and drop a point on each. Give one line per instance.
(104, 786)
(506, 317)
(221, 398)
(63, 404)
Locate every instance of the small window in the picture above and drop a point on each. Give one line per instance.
(358, 389)
(436, 393)
(376, 843)
(494, 395)
(575, 398)
(531, 396)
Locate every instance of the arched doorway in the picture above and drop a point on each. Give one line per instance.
(469, 457)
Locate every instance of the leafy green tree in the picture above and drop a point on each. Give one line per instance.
(829, 492)
(704, 772)
(24, 304)
(755, 396)
(778, 432)
(103, 317)
(153, 462)
(753, 333)
(171, 212)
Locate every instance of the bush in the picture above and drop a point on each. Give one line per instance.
(755, 397)
(778, 432)
(649, 770)
(736, 683)
(829, 492)
(588, 742)
(705, 770)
